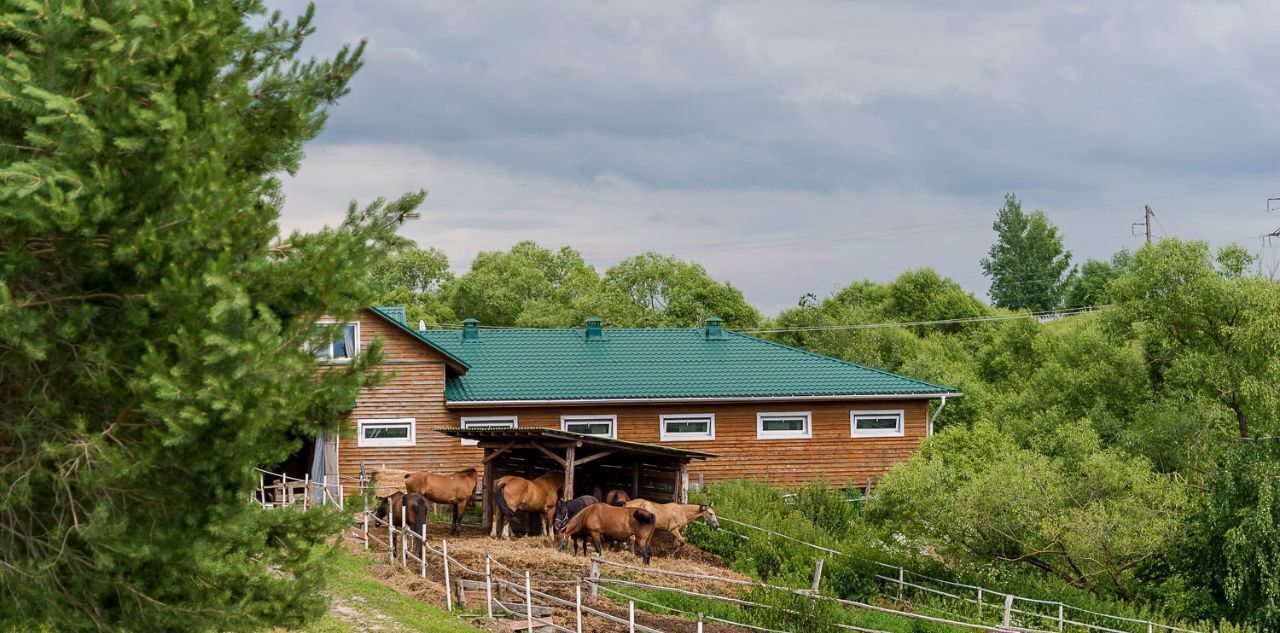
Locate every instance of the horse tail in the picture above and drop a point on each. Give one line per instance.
(502, 500)
(644, 516)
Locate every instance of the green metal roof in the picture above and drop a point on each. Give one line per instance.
(651, 364)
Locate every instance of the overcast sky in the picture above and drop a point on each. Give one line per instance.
(793, 147)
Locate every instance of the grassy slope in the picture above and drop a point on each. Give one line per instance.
(361, 603)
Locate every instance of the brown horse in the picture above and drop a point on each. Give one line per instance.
(617, 497)
(455, 490)
(414, 515)
(512, 494)
(601, 521)
(672, 517)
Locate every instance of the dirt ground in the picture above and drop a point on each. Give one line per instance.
(546, 563)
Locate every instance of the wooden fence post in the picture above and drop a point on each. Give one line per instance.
(366, 528)
(306, 491)
(448, 589)
(1062, 620)
(979, 603)
(595, 575)
(1008, 610)
(262, 488)
(528, 600)
(699, 622)
(631, 616)
(422, 551)
(404, 529)
(577, 605)
(817, 575)
(488, 587)
(901, 583)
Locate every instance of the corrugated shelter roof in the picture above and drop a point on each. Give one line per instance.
(652, 363)
(596, 441)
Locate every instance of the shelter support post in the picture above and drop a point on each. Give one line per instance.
(635, 478)
(682, 492)
(486, 492)
(569, 467)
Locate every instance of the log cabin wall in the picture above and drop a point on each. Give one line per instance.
(416, 390)
(831, 453)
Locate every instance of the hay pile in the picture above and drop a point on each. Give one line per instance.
(387, 481)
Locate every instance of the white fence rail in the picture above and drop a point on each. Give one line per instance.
(982, 595)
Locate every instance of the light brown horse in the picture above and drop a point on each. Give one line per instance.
(602, 521)
(512, 494)
(455, 489)
(617, 497)
(673, 517)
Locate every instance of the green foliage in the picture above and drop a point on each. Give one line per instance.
(1234, 544)
(1089, 515)
(1028, 265)
(416, 278)
(1210, 327)
(652, 290)
(1089, 287)
(526, 286)
(152, 324)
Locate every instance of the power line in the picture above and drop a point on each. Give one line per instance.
(872, 326)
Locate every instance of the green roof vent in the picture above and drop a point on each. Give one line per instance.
(714, 328)
(595, 329)
(470, 330)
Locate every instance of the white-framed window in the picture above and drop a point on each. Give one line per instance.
(887, 423)
(602, 425)
(344, 348)
(682, 427)
(795, 425)
(488, 422)
(386, 432)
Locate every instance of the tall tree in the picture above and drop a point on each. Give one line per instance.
(153, 325)
(529, 285)
(652, 290)
(1028, 266)
(1089, 287)
(418, 279)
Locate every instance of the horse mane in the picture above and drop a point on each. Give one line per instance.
(465, 470)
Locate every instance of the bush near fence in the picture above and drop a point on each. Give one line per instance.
(828, 519)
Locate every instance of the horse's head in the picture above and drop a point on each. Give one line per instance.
(562, 516)
(709, 515)
(383, 508)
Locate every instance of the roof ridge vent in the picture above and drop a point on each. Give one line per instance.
(470, 329)
(714, 328)
(595, 329)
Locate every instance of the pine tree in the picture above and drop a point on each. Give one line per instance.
(1027, 265)
(153, 321)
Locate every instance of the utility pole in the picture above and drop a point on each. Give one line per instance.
(1147, 214)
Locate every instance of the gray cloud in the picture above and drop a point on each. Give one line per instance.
(684, 123)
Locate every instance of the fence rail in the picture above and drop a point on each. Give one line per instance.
(1061, 619)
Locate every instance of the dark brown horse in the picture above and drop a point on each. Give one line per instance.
(415, 515)
(566, 510)
(603, 521)
(617, 497)
(514, 494)
(455, 490)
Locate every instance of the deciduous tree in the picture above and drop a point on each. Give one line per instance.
(1028, 266)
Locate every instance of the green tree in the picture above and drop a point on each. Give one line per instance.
(528, 286)
(1234, 545)
(1089, 287)
(1086, 514)
(1028, 266)
(1210, 326)
(152, 323)
(652, 290)
(418, 279)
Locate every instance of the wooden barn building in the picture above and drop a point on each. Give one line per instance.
(766, 411)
